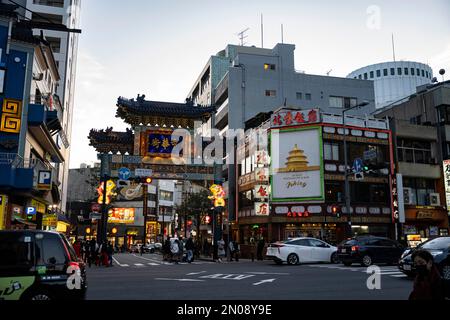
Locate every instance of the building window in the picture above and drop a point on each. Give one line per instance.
(334, 191)
(331, 151)
(55, 44)
(418, 72)
(269, 66)
(392, 71)
(419, 189)
(271, 93)
(165, 195)
(406, 71)
(426, 73)
(365, 76)
(299, 96)
(371, 74)
(342, 102)
(50, 3)
(360, 77)
(369, 193)
(308, 96)
(385, 72)
(399, 71)
(414, 151)
(412, 72)
(378, 73)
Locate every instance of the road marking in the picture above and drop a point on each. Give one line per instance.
(195, 273)
(180, 280)
(125, 265)
(138, 264)
(399, 276)
(264, 281)
(153, 264)
(389, 273)
(221, 276)
(152, 260)
(269, 273)
(118, 263)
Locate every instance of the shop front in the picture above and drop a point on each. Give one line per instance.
(424, 223)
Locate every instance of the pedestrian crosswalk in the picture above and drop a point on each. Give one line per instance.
(142, 262)
(384, 271)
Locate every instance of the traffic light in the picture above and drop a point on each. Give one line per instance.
(336, 211)
(146, 180)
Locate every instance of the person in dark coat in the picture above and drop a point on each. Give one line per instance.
(190, 247)
(428, 284)
(260, 249)
(110, 252)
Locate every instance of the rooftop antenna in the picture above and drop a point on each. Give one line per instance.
(282, 34)
(262, 31)
(393, 46)
(242, 36)
(328, 73)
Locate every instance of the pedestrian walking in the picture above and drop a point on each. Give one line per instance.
(104, 254)
(166, 250)
(231, 249)
(92, 252)
(180, 249)
(237, 250)
(141, 249)
(252, 248)
(260, 249)
(428, 284)
(190, 247)
(174, 249)
(110, 252)
(220, 250)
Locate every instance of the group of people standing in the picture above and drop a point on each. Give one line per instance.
(92, 252)
(174, 249)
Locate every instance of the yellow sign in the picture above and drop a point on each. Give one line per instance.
(61, 226)
(110, 186)
(40, 207)
(218, 195)
(11, 116)
(50, 220)
(3, 206)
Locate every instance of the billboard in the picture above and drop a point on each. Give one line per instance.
(121, 215)
(297, 171)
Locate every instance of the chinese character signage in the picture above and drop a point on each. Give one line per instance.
(447, 183)
(262, 158)
(286, 118)
(159, 143)
(262, 174)
(121, 215)
(297, 167)
(261, 208)
(262, 191)
(395, 204)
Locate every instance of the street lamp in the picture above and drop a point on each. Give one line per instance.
(347, 184)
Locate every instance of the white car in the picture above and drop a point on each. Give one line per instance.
(302, 250)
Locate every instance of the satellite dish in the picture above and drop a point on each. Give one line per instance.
(442, 72)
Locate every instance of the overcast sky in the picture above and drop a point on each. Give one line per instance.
(159, 48)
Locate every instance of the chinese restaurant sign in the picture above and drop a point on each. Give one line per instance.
(261, 208)
(286, 118)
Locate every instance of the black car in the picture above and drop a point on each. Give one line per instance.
(368, 250)
(438, 247)
(39, 265)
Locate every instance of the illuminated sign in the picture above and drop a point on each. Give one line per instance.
(3, 206)
(218, 195)
(50, 220)
(262, 174)
(159, 143)
(262, 191)
(110, 186)
(31, 211)
(121, 215)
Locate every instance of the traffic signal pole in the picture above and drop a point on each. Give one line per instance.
(145, 210)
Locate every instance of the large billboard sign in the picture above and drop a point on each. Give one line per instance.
(297, 172)
(121, 215)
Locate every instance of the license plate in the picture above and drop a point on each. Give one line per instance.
(344, 250)
(407, 267)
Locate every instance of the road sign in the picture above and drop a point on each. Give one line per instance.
(143, 172)
(124, 173)
(370, 154)
(31, 211)
(358, 165)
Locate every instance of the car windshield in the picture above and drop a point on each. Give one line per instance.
(437, 244)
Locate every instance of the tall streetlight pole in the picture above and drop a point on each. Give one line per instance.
(347, 182)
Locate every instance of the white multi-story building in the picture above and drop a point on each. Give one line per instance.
(394, 80)
(65, 48)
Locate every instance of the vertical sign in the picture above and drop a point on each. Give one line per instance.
(3, 206)
(394, 199)
(447, 183)
(400, 197)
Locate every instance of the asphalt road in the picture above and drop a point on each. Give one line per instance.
(149, 278)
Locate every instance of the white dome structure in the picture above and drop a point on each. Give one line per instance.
(394, 80)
